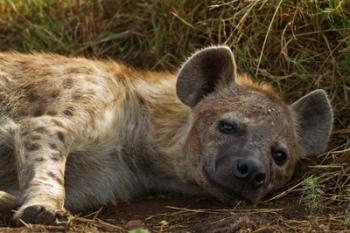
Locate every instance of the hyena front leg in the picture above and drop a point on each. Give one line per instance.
(41, 149)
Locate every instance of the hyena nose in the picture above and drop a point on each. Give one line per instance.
(250, 171)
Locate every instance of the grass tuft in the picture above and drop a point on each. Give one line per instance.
(312, 193)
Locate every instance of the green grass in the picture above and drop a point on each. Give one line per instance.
(297, 45)
(139, 230)
(312, 193)
(308, 41)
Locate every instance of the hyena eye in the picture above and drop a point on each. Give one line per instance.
(279, 156)
(227, 127)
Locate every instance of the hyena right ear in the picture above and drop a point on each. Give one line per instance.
(203, 72)
(314, 116)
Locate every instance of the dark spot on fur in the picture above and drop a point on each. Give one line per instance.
(68, 83)
(32, 146)
(141, 100)
(32, 96)
(121, 77)
(77, 96)
(55, 177)
(72, 70)
(35, 137)
(60, 136)
(24, 133)
(52, 113)
(40, 159)
(54, 158)
(53, 146)
(40, 130)
(55, 93)
(38, 112)
(68, 111)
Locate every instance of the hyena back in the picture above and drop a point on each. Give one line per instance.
(78, 133)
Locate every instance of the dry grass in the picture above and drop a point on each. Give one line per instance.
(298, 45)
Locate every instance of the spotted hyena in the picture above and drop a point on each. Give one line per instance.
(78, 133)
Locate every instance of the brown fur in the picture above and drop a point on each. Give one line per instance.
(81, 133)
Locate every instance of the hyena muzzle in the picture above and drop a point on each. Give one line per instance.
(78, 133)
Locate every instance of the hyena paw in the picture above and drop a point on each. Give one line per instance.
(38, 214)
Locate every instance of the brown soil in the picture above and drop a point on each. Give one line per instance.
(176, 213)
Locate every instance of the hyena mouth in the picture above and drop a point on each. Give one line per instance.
(219, 191)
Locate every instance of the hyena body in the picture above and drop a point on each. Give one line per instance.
(78, 133)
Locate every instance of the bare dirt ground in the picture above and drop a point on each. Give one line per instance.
(178, 213)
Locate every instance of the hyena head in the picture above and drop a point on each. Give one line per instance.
(244, 140)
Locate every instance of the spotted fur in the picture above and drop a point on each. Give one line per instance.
(77, 133)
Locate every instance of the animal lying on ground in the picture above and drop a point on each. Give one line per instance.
(78, 133)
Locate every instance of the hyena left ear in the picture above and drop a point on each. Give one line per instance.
(203, 72)
(314, 118)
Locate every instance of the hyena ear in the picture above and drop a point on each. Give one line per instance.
(314, 117)
(203, 72)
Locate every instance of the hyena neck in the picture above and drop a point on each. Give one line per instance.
(167, 122)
